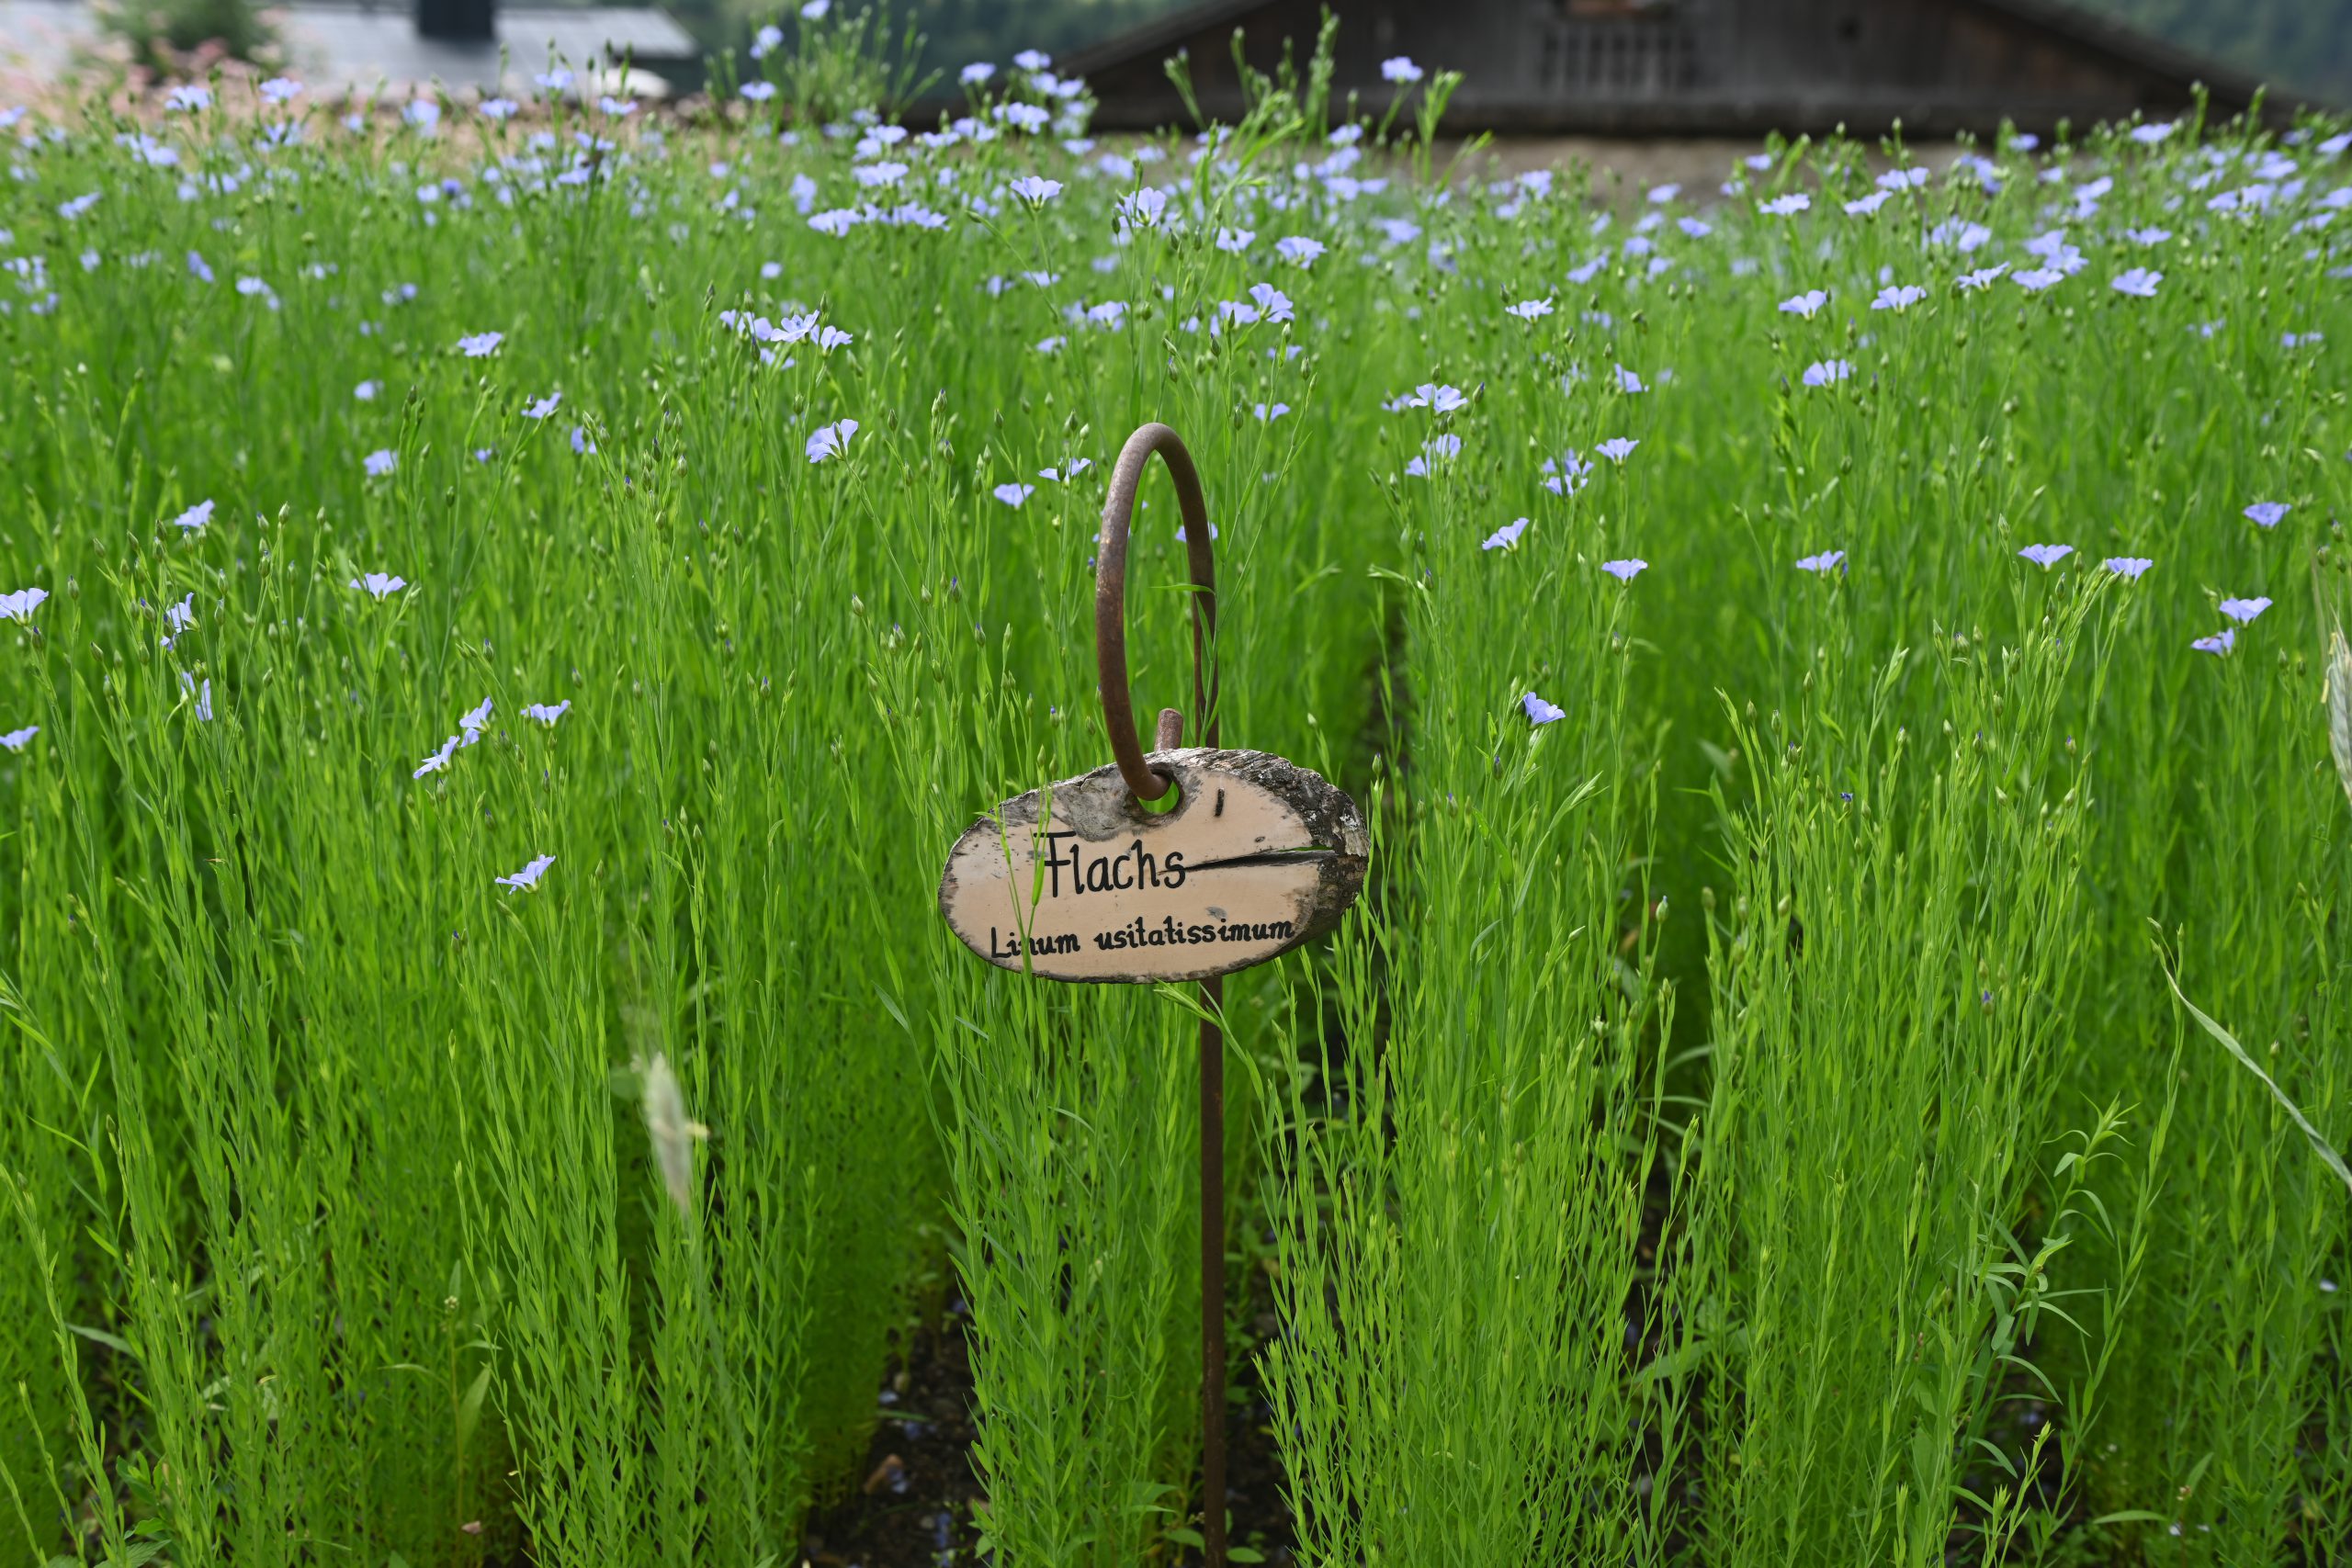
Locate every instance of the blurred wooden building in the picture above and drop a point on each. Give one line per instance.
(1681, 67)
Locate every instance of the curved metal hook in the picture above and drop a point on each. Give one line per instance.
(1111, 605)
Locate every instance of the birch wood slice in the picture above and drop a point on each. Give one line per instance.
(1079, 881)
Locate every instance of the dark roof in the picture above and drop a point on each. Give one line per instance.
(2034, 61)
(1151, 40)
(2109, 34)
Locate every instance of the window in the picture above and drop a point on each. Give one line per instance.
(1624, 48)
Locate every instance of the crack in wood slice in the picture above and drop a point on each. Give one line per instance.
(1080, 881)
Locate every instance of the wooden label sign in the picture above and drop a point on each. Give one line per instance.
(1084, 882)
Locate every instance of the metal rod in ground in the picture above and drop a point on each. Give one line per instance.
(1169, 734)
(1213, 1275)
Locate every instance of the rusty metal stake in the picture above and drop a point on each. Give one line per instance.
(1118, 718)
(1213, 1274)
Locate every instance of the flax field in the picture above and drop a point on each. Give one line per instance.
(505, 605)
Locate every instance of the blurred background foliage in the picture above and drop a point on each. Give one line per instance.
(153, 30)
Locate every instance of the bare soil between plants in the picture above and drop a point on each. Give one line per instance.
(918, 1500)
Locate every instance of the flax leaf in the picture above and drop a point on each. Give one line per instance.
(2320, 1146)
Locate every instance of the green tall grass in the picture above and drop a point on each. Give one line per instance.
(1893, 977)
(1460, 1227)
(1747, 1120)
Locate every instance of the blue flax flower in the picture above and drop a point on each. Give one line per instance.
(437, 761)
(528, 877)
(1272, 302)
(1566, 475)
(831, 440)
(1441, 447)
(1143, 209)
